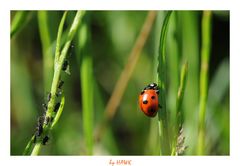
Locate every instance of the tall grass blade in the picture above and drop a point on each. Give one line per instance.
(56, 78)
(44, 32)
(162, 78)
(19, 20)
(179, 111)
(205, 56)
(87, 85)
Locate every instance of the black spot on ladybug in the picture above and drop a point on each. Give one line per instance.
(151, 110)
(145, 102)
(153, 97)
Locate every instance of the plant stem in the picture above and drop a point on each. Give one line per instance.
(205, 55)
(87, 84)
(179, 111)
(56, 78)
(162, 78)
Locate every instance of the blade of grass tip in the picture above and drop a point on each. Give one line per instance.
(57, 72)
(46, 48)
(205, 56)
(87, 85)
(162, 76)
(59, 35)
(122, 82)
(179, 111)
(19, 20)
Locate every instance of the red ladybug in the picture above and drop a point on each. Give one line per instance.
(148, 100)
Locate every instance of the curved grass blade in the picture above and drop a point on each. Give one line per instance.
(162, 76)
(19, 20)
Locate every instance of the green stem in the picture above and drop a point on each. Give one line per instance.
(57, 72)
(162, 76)
(36, 149)
(179, 111)
(205, 55)
(87, 86)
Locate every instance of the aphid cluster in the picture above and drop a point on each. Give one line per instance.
(45, 119)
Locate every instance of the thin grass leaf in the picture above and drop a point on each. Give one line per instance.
(87, 85)
(59, 112)
(178, 135)
(189, 42)
(56, 78)
(20, 19)
(162, 78)
(44, 32)
(205, 56)
(28, 148)
(59, 35)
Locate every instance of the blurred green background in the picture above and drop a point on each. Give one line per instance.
(112, 36)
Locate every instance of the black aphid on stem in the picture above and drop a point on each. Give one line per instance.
(45, 140)
(60, 84)
(49, 97)
(56, 107)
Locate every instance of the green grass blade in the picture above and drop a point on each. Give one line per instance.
(189, 41)
(59, 35)
(44, 32)
(162, 78)
(28, 148)
(205, 56)
(59, 112)
(19, 20)
(179, 111)
(87, 86)
(56, 78)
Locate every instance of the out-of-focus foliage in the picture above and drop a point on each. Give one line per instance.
(112, 36)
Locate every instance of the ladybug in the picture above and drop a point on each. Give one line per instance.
(148, 100)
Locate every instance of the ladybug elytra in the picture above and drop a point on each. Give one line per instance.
(148, 100)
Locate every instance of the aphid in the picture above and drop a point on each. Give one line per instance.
(56, 107)
(65, 65)
(45, 140)
(45, 106)
(39, 128)
(148, 100)
(47, 120)
(34, 139)
(49, 97)
(60, 84)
